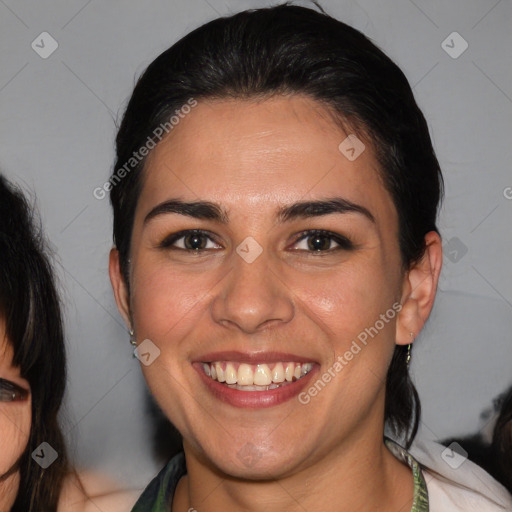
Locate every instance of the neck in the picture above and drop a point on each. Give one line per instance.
(359, 475)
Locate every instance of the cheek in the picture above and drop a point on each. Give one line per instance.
(164, 300)
(171, 309)
(15, 421)
(349, 299)
(356, 307)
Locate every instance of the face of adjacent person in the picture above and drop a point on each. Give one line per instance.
(15, 419)
(269, 298)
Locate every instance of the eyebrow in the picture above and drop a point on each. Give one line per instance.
(207, 210)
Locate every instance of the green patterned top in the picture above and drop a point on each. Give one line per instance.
(420, 499)
(159, 494)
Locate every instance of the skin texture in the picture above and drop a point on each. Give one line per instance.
(251, 157)
(93, 492)
(15, 420)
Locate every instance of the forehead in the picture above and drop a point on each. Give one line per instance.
(261, 152)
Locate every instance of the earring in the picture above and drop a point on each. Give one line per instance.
(133, 341)
(408, 359)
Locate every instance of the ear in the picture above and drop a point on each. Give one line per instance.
(119, 286)
(419, 290)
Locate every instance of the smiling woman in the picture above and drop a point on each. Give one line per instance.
(281, 242)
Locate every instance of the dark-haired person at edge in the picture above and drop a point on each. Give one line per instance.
(35, 475)
(32, 364)
(491, 447)
(276, 255)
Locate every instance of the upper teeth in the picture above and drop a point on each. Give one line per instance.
(263, 374)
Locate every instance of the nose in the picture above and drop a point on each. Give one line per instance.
(253, 297)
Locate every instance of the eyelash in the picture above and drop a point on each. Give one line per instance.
(10, 392)
(343, 242)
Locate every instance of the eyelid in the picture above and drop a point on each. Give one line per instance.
(10, 392)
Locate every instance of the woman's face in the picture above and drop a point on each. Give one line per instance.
(15, 419)
(266, 289)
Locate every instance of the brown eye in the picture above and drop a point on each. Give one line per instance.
(10, 392)
(193, 240)
(319, 241)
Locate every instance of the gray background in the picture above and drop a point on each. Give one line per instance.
(58, 123)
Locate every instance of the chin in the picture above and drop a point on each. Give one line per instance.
(253, 461)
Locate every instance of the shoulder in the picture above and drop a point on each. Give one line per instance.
(455, 483)
(90, 492)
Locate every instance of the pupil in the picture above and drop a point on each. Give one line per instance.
(318, 246)
(194, 240)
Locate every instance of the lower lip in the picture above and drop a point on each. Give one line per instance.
(254, 399)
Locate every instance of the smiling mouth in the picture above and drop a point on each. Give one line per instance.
(256, 377)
